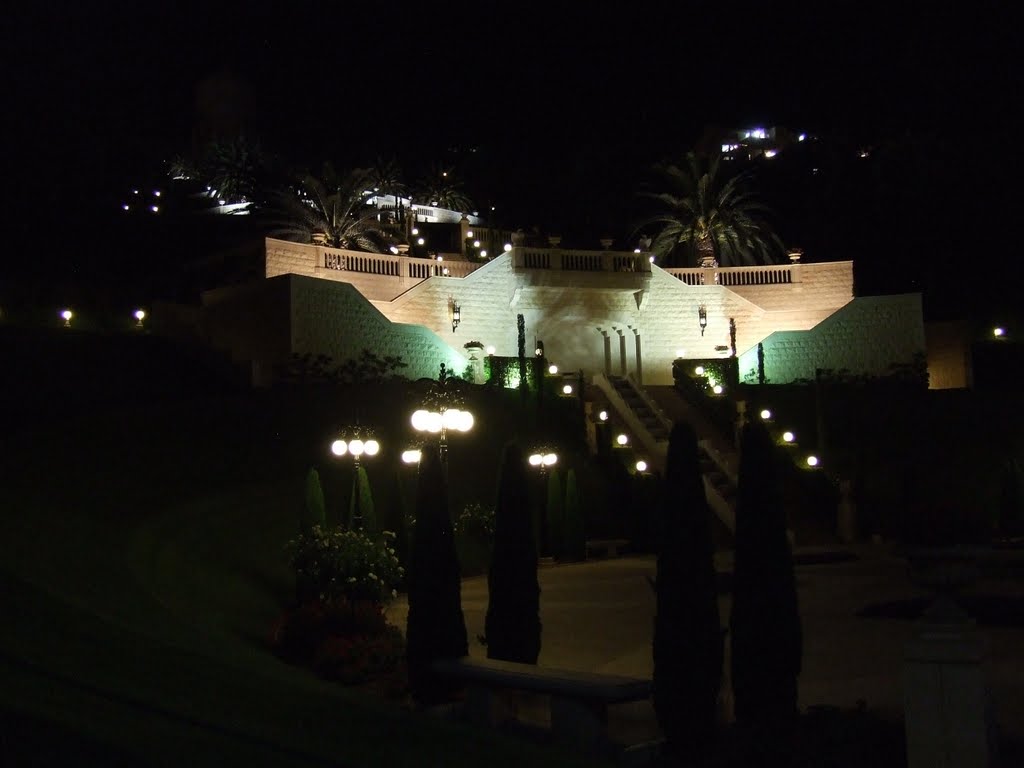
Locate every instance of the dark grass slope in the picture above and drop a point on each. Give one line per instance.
(142, 564)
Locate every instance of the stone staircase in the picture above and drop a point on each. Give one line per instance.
(650, 418)
(654, 422)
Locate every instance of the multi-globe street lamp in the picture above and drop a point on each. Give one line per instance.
(356, 447)
(440, 416)
(543, 459)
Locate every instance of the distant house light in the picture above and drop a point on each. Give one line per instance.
(770, 153)
(998, 332)
(154, 208)
(801, 137)
(636, 250)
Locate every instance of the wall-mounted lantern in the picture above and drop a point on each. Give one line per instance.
(456, 316)
(702, 318)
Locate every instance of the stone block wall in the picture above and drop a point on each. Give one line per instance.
(867, 336)
(334, 319)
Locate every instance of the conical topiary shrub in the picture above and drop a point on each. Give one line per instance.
(314, 510)
(512, 627)
(436, 628)
(364, 516)
(555, 515)
(574, 532)
(687, 628)
(765, 632)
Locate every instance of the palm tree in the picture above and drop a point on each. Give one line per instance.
(333, 207)
(705, 215)
(442, 190)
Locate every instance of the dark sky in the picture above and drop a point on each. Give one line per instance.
(563, 105)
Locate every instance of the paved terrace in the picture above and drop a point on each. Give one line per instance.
(598, 616)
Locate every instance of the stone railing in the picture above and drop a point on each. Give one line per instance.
(306, 259)
(579, 261)
(776, 274)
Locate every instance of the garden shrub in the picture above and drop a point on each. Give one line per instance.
(687, 628)
(555, 517)
(474, 538)
(766, 636)
(340, 563)
(574, 531)
(512, 626)
(367, 512)
(315, 509)
(436, 627)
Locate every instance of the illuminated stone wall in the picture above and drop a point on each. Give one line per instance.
(866, 337)
(574, 312)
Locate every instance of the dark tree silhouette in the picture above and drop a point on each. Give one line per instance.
(687, 628)
(765, 632)
(436, 628)
(512, 626)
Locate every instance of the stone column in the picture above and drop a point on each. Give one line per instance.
(622, 351)
(639, 360)
(606, 340)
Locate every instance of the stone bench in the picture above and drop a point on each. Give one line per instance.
(579, 700)
(607, 547)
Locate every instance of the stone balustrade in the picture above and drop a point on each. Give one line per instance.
(775, 274)
(579, 261)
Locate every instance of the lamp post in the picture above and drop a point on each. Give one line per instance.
(543, 459)
(440, 415)
(355, 447)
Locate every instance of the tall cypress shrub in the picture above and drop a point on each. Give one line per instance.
(574, 533)
(687, 627)
(766, 637)
(555, 515)
(512, 626)
(367, 521)
(436, 628)
(314, 509)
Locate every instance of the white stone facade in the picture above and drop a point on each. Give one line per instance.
(597, 311)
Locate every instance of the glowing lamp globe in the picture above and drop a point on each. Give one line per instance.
(535, 459)
(717, 389)
(411, 456)
(139, 314)
(997, 332)
(699, 370)
(491, 350)
(450, 418)
(435, 423)
(766, 414)
(420, 419)
(641, 466)
(549, 459)
(552, 369)
(603, 415)
(812, 461)
(66, 314)
(622, 440)
(508, 247)
(788, 437)
(371, 447)
(567, 389)
(356, 447)
(420, 241)
(339, 448)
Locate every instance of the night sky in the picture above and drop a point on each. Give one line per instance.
(565, 110)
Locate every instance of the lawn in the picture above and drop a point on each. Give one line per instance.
(141, 553)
